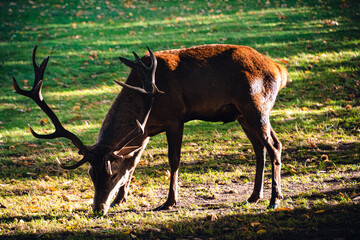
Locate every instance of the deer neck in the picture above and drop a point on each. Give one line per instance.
(121, 118)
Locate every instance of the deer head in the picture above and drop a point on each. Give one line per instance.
(109, 165)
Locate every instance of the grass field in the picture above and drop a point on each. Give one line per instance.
(317, 118)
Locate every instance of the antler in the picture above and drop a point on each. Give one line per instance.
(147, 75)
(60, 131)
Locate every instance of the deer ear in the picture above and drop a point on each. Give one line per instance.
(126, 152)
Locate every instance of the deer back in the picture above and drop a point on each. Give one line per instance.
(204, 82)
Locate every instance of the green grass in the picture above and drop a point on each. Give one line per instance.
(317, 118)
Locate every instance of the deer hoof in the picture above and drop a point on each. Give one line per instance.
(165, 206)
(273, 206)
(253, 199)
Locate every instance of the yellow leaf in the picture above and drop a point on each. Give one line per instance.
(52, 189)
(67, 207)
(348, 107)
(284, 61)
(255, 224)
(325, 158)
(305, 109)
(66, 198)
(43, 121)
(283, 209)
(79, 13)
(293, 171)
(320, 211)
(307, 71)
(261, 231)
(33, 209)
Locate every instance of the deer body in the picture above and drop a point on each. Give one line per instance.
(210, 82)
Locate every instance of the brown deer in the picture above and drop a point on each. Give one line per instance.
(210, 82)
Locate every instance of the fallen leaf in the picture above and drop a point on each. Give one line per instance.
(283, 209)
(43, 121)
(285, 61)
(255, 224)
(66, 198)
(32, 145)
(33, 209)
(78, 14)
(331, 22)
(320, 211)
(261, 231)
(348, 107)
(305, 109)
(325, 158)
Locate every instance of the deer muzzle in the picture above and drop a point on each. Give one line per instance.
(103, 196)
(101, 209)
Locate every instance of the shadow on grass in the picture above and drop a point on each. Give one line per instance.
(318, 222)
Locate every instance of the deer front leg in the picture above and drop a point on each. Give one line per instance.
(123, 191)
(174, 139)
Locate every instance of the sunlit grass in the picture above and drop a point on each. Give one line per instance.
(316, 117)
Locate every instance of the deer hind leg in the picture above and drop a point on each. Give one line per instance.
(174, 139)
(276, 195)
(260, 153)
(258, 125)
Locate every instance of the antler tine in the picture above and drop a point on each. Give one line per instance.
(147, 74)
(76, 165)
(138, 61)
(153, 60)
(137, 89)
(131, 136)
(36, 96)
(39, 70)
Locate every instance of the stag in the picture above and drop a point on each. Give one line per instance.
(210, 82)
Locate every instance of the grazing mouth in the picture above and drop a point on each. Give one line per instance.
(104, 207)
